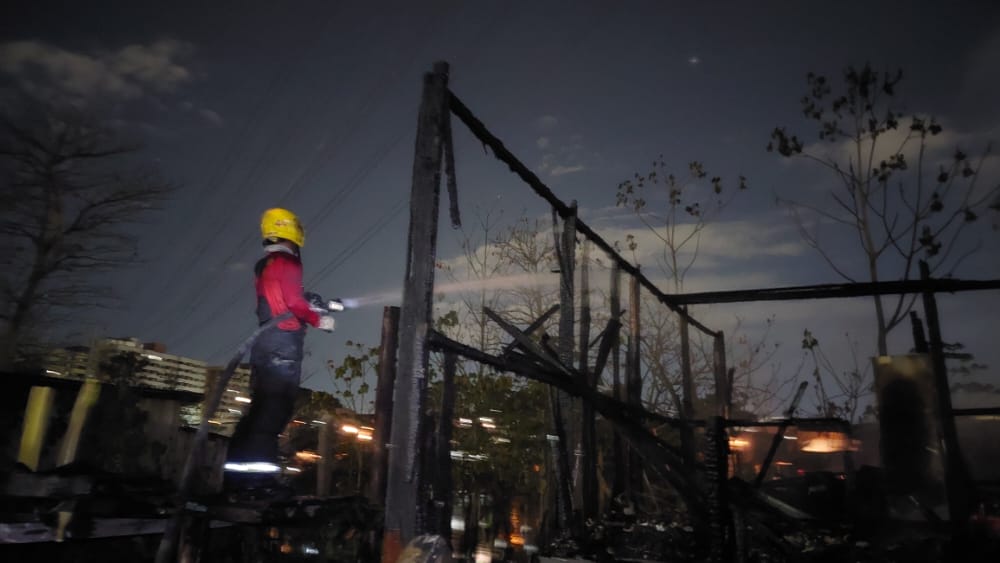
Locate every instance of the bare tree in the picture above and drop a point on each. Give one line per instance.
(680, 218)
(69, 191)
(505, 417)
(895, 195)
(677, 210)
(838, 392)
(469, 281)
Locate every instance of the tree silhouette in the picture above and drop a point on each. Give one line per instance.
(69, 191)
(899, 196)
(678, 209)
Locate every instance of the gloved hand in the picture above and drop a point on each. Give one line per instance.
(325, 323)
(315, 302)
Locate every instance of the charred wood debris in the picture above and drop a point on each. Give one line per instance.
(684, 503)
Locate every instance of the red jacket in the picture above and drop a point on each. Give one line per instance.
(279, 289)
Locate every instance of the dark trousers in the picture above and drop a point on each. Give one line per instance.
(275, 370)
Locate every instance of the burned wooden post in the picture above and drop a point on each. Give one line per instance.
(716, 477)
(633, 382)
(618, 484)
(403, 490)
(441, 523)
(954, 474)
(723, 387)
(920, 345)
(687, 392)
(566, 248)
(383, 404)
(324, 448)
(588, 434)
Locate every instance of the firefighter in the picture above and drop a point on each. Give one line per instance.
(276, 356)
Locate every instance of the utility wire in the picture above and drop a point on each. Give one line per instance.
(235, 146)
(357, 244)
(341, 195)
(357, 180)
(373, 97)
(346, 254)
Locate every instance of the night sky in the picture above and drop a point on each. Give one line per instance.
(312, 106)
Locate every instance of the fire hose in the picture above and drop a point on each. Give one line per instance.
(167, 550)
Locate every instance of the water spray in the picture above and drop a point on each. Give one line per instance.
(506, 282)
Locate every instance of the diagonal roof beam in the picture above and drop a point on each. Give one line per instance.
(532, 328)
(539, 354)
(517, 167)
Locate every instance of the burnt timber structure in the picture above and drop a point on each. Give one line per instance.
(718, 506)
(724, 510)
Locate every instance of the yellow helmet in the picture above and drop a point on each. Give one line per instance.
(280, 223)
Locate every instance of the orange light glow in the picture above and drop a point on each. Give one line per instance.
(306, 455)
(738, 444)
(829, 442)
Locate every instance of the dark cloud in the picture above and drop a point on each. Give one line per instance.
(45, 70)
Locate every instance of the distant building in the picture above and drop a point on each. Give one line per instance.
(69, 363)
(160, 371)
(235, 397)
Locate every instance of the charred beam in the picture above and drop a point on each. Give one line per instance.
(516, 166)
(835, 291)
(537, 324)
(525, 342)
(618, 485)
(562, 406)
(403, 484)
(609, 339)
(588, 431)
(383, 404)
(780, 435)
(984, 411)
(955, 474)
(662, 458)
(687, 392)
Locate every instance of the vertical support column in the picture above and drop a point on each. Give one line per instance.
(588, 432)
(442, 443)
(383, 404)
(687, 393)
(633, 380)
(323, 466)
(402, 493)
(954, 467)
(620, 455)
(723, 387)
(565, 246)
(716, 473)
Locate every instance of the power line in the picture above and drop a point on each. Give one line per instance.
(338, 260)
(338, 197)
(374, 96)
(219, 179)
(196, 293)
(357, 180)
(350, 251)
